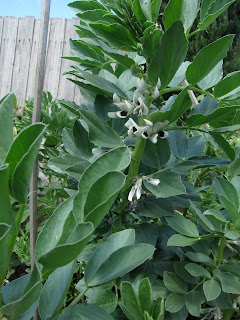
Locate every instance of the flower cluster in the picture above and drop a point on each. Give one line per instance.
(150, 131)
(137, 188)
(138, 106)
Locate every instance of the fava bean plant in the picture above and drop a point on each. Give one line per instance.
(152, 215)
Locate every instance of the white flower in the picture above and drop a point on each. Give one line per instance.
(125, 107)
(142, 86)
(155, 93)
(141, 109)
(133, 129)
(136, 189)
(152, 181)
(152, 132)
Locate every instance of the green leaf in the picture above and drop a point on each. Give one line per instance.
(203, 219)
(229, 282)
(6, 214)
(158, 311)
(146, 233)
(82, 141)
(54, 229)
(181, 241)
(113, 258)
(183, 226)
(172, 50)
(99, 132)
(6, 124)
(155, 6)
(184, 10)
(170, 185)
(84, 312)
(103, 252)
(102, 195)
(156, 155)
(224, 145)
(4, 248)
(83, 5)
(21, 158)
(208, 111)
(179, 143)
(213, 77)
(115, 160)
(234, 172)
(201, 257)
(197, 270)
(232, 210)
(102, 296)
(108, 87)
(211, 10)
(174, 302)
(119, 263)
(193, 300)
(145, 295)
(64, 253)
(102, 105)
(129, 301)
(55, 287)
(215, 52)
(20, 294)
(215, 215)
(225, 188)
(117, 35)
(155, 208)
(180, 105)
(174, 283)
(228, 86)
(227, 129)
(179, 268)
(151, 43)
(211, 289)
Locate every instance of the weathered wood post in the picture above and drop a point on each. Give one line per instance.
(36, 117)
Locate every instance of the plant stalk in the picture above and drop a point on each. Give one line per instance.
(222, 245)
(79, 297)
(227, 314)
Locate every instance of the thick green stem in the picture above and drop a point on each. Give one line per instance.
(222, 245)
(227, 314)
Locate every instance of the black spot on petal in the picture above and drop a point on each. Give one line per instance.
(161, 133)
(124, 113)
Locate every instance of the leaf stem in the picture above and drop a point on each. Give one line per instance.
(181, 88)
(79, 296)
(193, 33)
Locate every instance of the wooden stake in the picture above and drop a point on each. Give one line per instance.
(36, 117)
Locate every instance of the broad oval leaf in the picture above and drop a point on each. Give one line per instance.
(99, 132)
(129, 300)
(197, 270)
(53, 229)
(228, 86)
(20, 294)
(229, 282)
(84, 312)
(56, 287)
(174, 283)
(193, 300)
(215, 52)
(119, 263)
(211, 289)
(183, 226)
(156, 155)
(172, 50)
(115, 160)
(170, 185)
(102, 195)
(21, 158)
(174, 302)
(63, 254)
(178, 240)
(6, 124)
